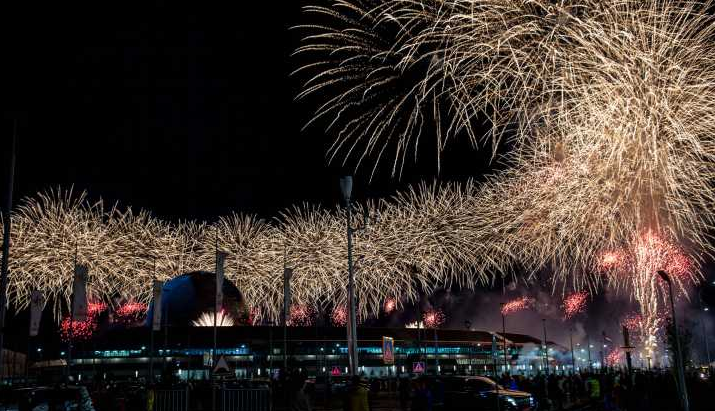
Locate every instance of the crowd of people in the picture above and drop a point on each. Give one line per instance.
(612, 390)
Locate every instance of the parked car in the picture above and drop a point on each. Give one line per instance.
(482, 393)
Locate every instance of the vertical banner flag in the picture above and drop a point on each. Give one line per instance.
(388, 350)
(37, 303)
(156, 314)
(220, 259)
(79, 293)
(287, 274)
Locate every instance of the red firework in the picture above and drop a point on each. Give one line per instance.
(301, 315)
(614, 358)
(517, 305)
(82, 330)
(131, 312)
(339, 316)
(254, 315)
(95, 308)
(653, 253)
(390, 305)
(633, 322)
(433, 318)
(574, 304)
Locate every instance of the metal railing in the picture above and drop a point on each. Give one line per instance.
(245, 399)
(171, 399)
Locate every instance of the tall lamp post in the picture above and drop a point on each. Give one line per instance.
(678, 350)
(346, 187)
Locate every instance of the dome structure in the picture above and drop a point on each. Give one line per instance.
(189, 296)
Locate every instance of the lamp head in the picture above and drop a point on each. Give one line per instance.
(346, 187)
(664, 276)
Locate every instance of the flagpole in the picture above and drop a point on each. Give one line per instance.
(150, 377)
(6, 243)
(213, 352)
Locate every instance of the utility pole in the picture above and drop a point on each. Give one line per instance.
(573, 358)
(546, 348)
(503, 334)
(6, 242)
(590, 364)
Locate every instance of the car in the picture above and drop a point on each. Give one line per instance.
(75, 398)
(482, 393)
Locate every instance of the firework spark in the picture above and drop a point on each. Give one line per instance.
(390, 305)
(615, 358)
(223, 319)
(82, 330)
(633, 323)
(592, 96)
(433, 318)
(131, 312)
(301, 315)
(574, 304)
(339, 316)
(516, 305)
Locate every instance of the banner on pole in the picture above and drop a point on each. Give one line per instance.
(388, 350)
(79, 293)
(156, 313)
(220, 260)
(37, 303)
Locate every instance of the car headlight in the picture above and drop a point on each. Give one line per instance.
(510, 401)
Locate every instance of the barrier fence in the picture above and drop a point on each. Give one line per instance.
(171, 399)
(228, 399)
(245, 399)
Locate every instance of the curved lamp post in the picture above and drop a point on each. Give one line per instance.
(678, 350)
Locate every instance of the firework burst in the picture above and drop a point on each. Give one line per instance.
(574, 304)
(131, 312)
(339, 316)
(433, 318)
(516, 305)
(389, 306)
(223, 319)
(301, 315)
(614, 358)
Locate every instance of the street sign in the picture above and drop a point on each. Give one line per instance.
(388, 350)
(221, 366)
(418, 367)
(335, 371)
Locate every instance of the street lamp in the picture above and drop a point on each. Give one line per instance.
(346, 187)
(678, 350)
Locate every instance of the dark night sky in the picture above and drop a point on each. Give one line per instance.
(185, 112)
(188, 113)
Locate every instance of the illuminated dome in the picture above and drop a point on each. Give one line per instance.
(186, 297)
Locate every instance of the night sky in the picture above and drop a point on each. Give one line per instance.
(189, 113)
